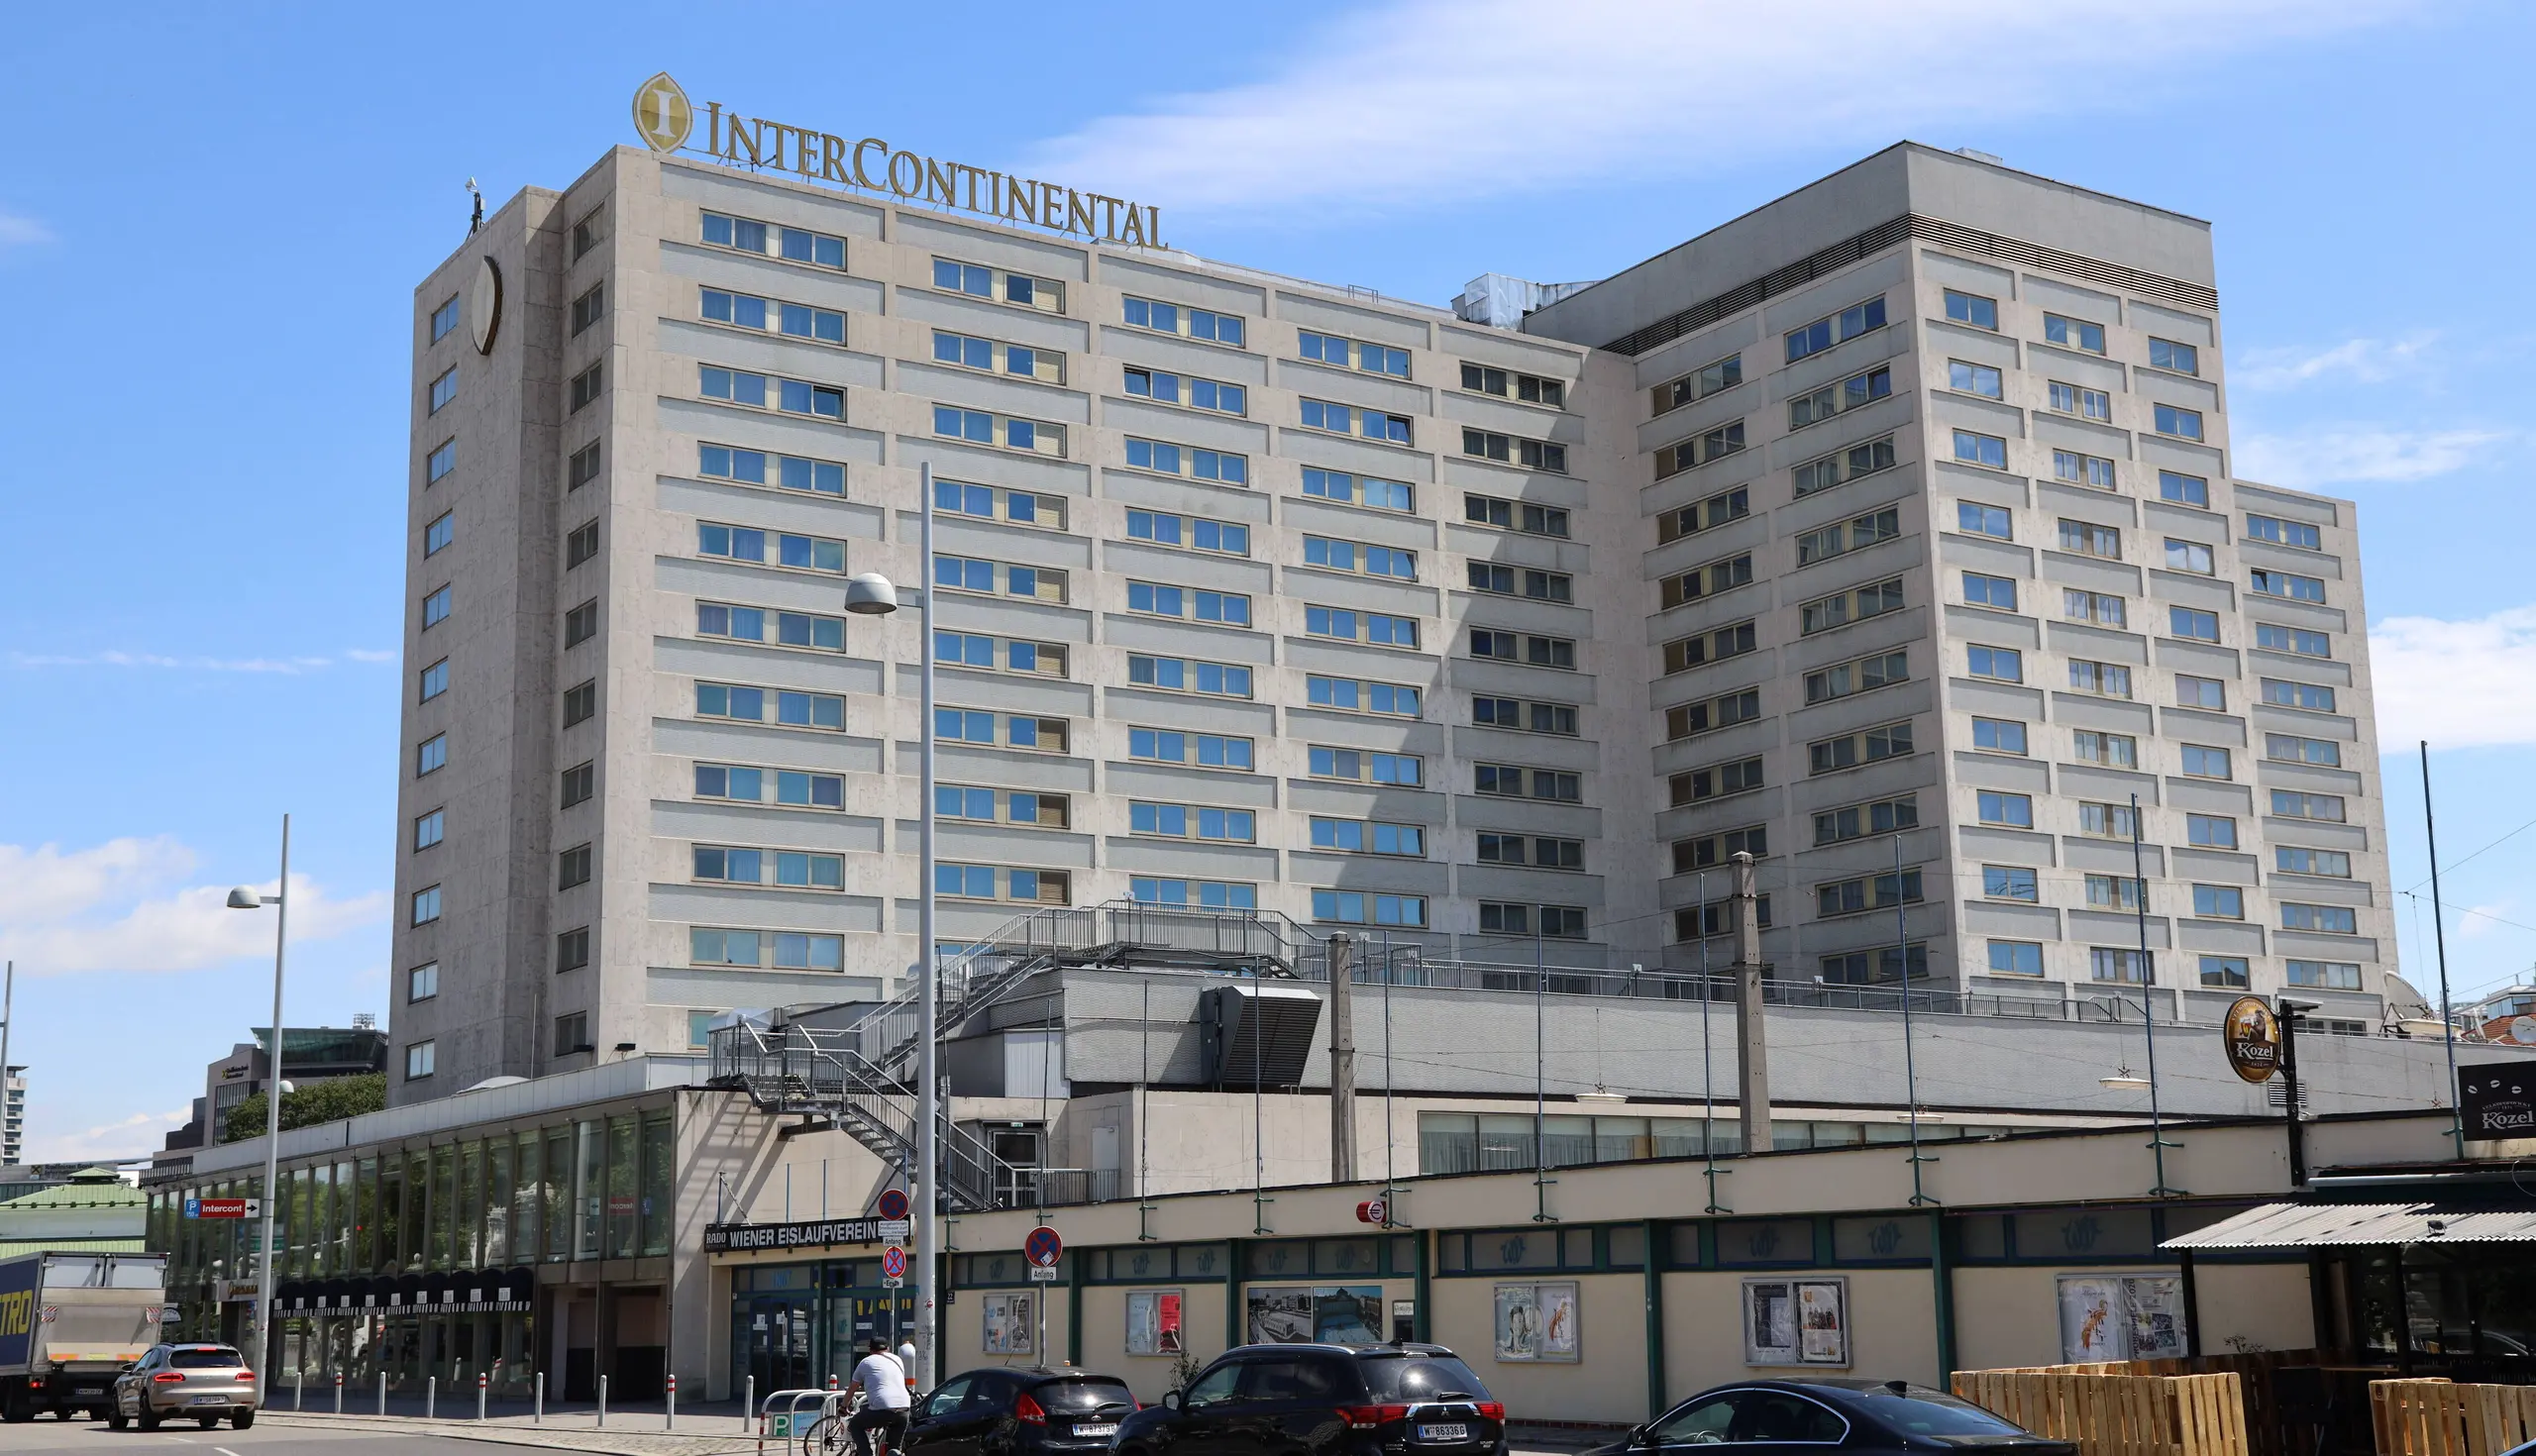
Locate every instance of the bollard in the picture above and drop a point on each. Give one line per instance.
(670, 1420)
(339, 1392)
(431, 1398)
(382, 1392)
(541, 1398)
(300, 1390)
(479, 1395)
(748, 1402)
(603, 1401)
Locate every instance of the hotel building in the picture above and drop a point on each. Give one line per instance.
(1891, 523)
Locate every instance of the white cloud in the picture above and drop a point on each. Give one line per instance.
(369, 655)
(20, 231)
(2363, 361)
(140, 1133)
(1421, 100)
(2466, 683)
(121, 907)
(285, 665)
(2355, 454)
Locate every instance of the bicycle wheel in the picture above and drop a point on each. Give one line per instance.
(827, 1437)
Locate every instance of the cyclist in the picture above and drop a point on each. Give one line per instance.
(884, 1384)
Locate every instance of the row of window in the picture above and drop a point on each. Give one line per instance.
(2024, 958)
(2067, 333)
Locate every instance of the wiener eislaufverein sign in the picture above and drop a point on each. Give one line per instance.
(666, 120)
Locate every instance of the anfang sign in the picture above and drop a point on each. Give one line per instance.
(666, 121)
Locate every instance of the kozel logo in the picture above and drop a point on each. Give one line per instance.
(2497, 1104)
(662, 115)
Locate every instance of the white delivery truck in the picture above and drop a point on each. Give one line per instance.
(70, 1323)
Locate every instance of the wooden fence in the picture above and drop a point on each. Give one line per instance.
(2118, 1413)
(2433, 1417)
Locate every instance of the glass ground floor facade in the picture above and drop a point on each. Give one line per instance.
(793, 1325)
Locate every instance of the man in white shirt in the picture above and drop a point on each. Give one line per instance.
(884, 1382)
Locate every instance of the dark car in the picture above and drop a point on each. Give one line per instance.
(1759, 1416)
(1001, 1410)
(1314, 1399)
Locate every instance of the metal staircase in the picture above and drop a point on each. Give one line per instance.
(861, 1077)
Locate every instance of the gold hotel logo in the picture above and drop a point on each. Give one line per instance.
(665, 119)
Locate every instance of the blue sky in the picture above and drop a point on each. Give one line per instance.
(213, 219)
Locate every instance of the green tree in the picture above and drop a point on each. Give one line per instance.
(329, 1100)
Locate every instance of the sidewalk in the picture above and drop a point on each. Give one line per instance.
(710, 1430)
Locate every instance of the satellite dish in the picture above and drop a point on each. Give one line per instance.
(2522, 1030)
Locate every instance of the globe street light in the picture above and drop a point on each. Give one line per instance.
(248, 897)
(871, 594)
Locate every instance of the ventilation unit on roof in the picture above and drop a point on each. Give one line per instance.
(1258, 1035)
(1978, 155)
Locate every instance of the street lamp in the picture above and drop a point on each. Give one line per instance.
(248, 897)
(871, 594)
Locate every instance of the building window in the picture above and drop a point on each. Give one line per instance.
(750, 705)
(1157, 599)
(445, 318)
(1866, 893)
(2210, 831)
(2271, 638)
(1165, 459)
(1359, 766)
(1824, 613)
(2310, 697)
(792, 472)
(2113, 892)
(793, 950)
(789, 869)
(2009, 883)
(1358, 557)
(1373, 358)
(2226, 973)
(1541, 851)
(1555, 923)
(1699, 853)
(2108, 821)
(744, 544)
(581, 701)
(2091, 471)
(1199, 750)
(1972, 379)
(994, 882)
(2106, 963)
(1354, 837)
(436, 608)
(2291, 748)
(1831, 755)
(995, 578)
(1339, 419)
(1530, 388)
(580, 781)
(1698, 922)
(1989, 452)
(2073, 400)
(2167, 353)
(1982, 520)
(582, 467)
(573, 867)
(435, 681)
(1699, 581)
(1854, 392)
(588, 230)
(573, 1034)
(581, 624)
(1234, 827)
(1699, 383)
(1350, 625)
(443, 389)
(422, 983)
(2104, 679)
(1699, 450)
(2288, 860)
(1998, 736)
(2016, 958)
(1515, 515)
(426, 907)
(419, 1060)
(1365, 490)
(2292, 804)
(1863, 675)
(793, 787)
(1858, 821)
(2325, 974)
(1973, 309)
(430, 754)
(586, 387)
(1001, 730)
(430, 829)
(1673, 525)
(2284, 583)
(438, 534)
(1842, 536)
(2218, 902)
(1537, 586)
(2200, 693)
(2184, 489)
(1996, 592)
(1181, 675)
(1351, 908)
(2072, 333)
(2201, 625)
(1510, 780)
(994, 284)
(440, 462)
(1839, 466)
(1205, 894)
(2205, 762)
(1684, 721)
(1823, 333)
(1168, 388)
(1680, 655)
(572, 949)
(1531, 454)
(2015, 810)
(1189, 323)
(583, 543)
(2324, 919)
(1526, 717)
(2183, 423)
(2113, 750)
(1554, 652)
(2188, 555)
(1869, 968)
(591, 306)
(1999, 663)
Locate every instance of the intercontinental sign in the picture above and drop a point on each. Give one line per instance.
(667, 121)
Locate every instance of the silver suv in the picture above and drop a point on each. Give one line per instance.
(200, 1381)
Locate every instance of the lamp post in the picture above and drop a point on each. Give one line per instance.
(871, 595)
(248, 897)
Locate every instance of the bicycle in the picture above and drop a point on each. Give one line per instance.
(832, 1434)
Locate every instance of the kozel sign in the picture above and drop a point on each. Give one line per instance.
(665, 119)
(2497, 1102)
(2251, 1033)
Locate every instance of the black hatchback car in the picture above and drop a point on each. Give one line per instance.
(1766, 1418)
(1395, 1399)
(1003, 1410)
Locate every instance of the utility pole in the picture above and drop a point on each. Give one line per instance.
(1752, 1042)
(1342, 1059)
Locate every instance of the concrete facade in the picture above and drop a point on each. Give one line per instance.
(616, 626)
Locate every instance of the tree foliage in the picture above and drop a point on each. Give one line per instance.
(329, 1100)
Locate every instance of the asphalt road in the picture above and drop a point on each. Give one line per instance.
(91, 1438)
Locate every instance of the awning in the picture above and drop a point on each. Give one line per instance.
(2299, 1225)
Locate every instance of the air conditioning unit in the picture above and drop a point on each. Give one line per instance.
(1258, 1033)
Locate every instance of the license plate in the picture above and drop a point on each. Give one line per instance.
(1098, 1428)
(211, 1400)
(1454, 1432)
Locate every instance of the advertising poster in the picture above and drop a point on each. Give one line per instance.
(1823, 1325)
(1008, 1324)
(1769, 1323)
(2121, 1316)
(1286, 1315)
(1537, 1321)
(1153, 1322)
(2156, 1304)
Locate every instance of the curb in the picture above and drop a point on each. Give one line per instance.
(609, 1442)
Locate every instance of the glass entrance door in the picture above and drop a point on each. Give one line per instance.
(773, 1341)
